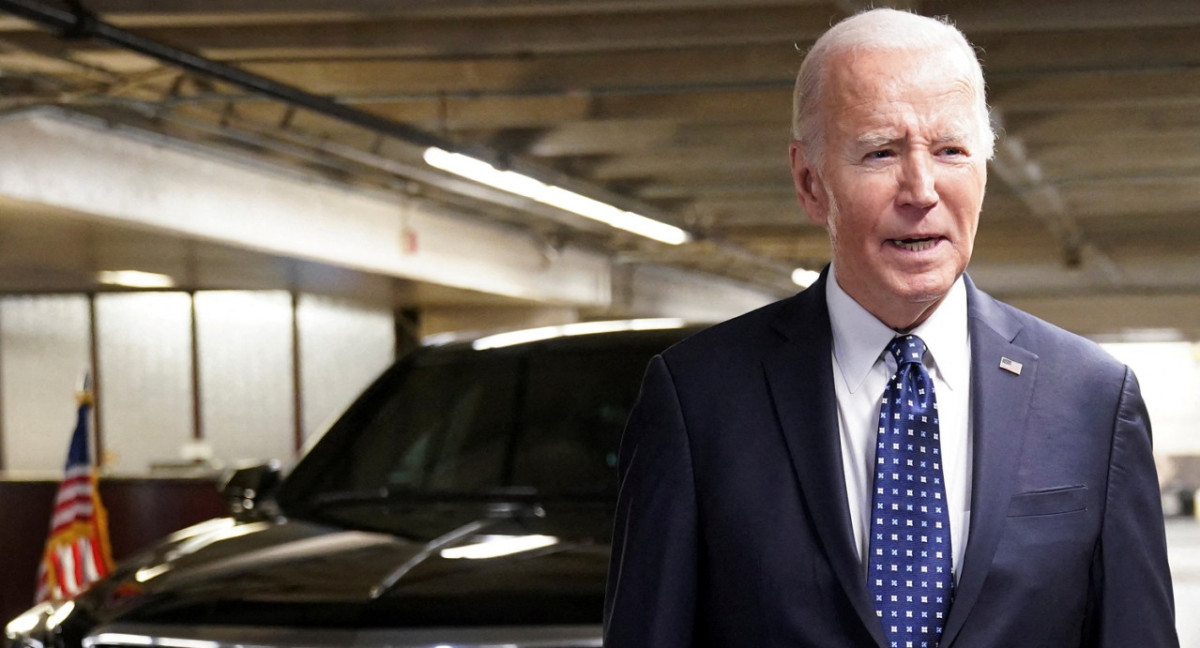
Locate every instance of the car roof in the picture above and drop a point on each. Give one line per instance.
(507, 338)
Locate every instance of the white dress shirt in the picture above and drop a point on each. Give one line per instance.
(860, 373)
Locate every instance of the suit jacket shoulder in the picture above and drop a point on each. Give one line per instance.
(1054, 347)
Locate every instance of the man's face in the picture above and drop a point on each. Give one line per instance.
(901, 182)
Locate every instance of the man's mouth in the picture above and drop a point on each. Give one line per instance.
(916, 244)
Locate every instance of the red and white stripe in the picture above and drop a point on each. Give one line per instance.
(74, 556)
(74, 502)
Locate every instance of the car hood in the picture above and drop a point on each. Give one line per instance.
(476, 571)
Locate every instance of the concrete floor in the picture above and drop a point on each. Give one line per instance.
(1183, 543)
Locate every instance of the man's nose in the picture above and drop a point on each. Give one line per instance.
(917, 187)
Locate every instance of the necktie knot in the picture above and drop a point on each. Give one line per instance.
(906, 349)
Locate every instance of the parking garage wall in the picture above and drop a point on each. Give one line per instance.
(184, 382)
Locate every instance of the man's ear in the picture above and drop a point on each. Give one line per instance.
(810, 189)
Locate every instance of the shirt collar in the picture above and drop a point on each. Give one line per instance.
(859, 338)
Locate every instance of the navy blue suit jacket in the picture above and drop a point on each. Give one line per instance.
(733, 527)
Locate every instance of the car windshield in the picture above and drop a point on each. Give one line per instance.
(539, 421)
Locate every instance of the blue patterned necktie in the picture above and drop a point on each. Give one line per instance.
(908, 567)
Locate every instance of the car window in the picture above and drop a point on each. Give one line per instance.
(450, 428)
(444, 425)
(574, 408)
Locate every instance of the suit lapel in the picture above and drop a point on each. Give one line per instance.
(800, 376)
(1000, 398)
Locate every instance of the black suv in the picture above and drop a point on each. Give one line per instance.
(464, 500)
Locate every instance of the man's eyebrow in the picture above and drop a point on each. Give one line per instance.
(954, 136)
(884, 139)
(874, 140)
(877, 140)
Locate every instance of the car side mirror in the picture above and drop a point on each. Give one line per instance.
(246, 489)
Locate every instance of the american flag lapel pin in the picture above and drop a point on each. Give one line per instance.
(1010, 365)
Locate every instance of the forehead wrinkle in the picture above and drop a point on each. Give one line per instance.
(874, 102)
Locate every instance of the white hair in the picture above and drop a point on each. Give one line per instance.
(880, 29)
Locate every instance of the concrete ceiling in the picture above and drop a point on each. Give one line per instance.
(680, 108)
(49, 250)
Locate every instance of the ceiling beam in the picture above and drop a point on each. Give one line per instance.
(1102, 159)
(1024, 177)
(1009, 58)
(700, 165)
(1025, 54)
(1134, 196)
(148, 13)
(1100, 89)
(154, 183)
(981, 16)
(598, 72)
(624, 136)
(727, 106)
(1116, 123)
(851, 7)
(498, 36)
(975, 16)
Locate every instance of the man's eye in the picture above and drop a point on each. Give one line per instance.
(880, 155)
(953, 150)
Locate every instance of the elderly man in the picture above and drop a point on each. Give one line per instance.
(891, 457)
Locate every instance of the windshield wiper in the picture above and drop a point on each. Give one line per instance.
(384, 586)
(497, 512)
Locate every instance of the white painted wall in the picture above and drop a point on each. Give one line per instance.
(144, 347)
(144, 343)
(245, 354)
(43, 357)
(344, 346)
(1169, 376)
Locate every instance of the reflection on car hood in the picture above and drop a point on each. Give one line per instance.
(478, 571)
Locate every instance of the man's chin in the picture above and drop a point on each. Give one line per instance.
(923, 292)
(922, 287)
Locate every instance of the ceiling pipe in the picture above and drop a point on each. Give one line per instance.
(76, 22)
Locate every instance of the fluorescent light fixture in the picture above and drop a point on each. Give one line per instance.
(494, 546)
(134, 279)
(578, 328)
(804, 278)
(533, 189)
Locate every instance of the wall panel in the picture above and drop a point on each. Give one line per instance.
(344, 345)
(44, 353)
(144, 347)
(246, 395)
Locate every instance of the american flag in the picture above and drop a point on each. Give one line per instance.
(77, 551)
